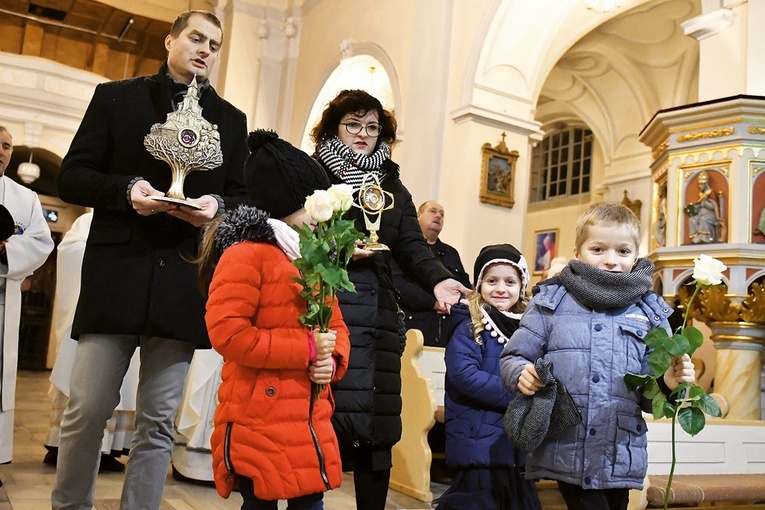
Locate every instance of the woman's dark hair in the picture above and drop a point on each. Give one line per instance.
(353, 101)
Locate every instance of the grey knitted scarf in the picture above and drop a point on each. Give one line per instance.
(598, 289)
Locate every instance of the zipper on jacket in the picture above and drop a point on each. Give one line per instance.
(317, 446)
(231, 476)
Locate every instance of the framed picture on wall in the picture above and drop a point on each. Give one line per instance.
(498, 174)
(546, 244)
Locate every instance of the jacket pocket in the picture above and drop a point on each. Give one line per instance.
(263, 397)
(633, 336)
(630, 449)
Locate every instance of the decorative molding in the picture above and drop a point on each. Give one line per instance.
(753, 309)
(714, 305)
(756, 130)
(67, 88)
(708, 24)
(660, 149)
(715, 133)
(660, 174)
(346, 48)
(18, 77)
(470, 113)
(720, 166)
(724, 150)
(32, 133)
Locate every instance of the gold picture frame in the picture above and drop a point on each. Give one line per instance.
(498, 174)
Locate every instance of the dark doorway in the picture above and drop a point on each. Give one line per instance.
(37, 293)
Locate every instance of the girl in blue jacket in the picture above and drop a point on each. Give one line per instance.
(489, 471)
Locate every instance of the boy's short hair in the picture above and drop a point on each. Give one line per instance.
(607, 213)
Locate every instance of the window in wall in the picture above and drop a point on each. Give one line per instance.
(561, 164)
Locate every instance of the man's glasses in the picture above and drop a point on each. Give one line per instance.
(354, 128)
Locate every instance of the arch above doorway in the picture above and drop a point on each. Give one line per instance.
(518, 46)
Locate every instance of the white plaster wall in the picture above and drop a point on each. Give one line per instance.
(412, 40)
(50, 96)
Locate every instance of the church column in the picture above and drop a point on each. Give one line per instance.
(739, 358)
(731, 43)
(260, 56)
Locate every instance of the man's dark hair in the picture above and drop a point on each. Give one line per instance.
(183, 19)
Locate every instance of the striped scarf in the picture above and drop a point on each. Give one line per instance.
(349, 166)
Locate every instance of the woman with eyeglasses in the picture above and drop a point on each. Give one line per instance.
(354, 139)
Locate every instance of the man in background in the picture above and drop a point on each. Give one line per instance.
(419, 306)
(21, 254)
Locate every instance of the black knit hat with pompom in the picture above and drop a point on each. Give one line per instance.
(280, 176)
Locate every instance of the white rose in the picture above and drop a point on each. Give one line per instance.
(342, 196)
(319, 205)
(708, 270)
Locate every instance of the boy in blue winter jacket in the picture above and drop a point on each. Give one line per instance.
(590, 322)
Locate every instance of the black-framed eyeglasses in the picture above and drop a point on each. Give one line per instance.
(354, 128)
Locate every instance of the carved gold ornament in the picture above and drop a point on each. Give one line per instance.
(715, 133)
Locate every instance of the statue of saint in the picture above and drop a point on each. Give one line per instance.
(761, 223)
(705, 222)
(660, 228)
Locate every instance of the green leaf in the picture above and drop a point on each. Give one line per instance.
(680, 389)
(691, 419)
(669, 410)
(655, 337)
(695, 338)
(659, 361)
(658, 405)
(651, 389)
(709, 405)
(677, 345)
(695, 391)
(635, 381)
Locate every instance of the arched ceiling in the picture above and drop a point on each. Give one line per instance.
(617, 76)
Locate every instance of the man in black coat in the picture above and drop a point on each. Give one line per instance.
(419, 305)
(138, 283)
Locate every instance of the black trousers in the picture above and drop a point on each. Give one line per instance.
(371, 474)
(577, 498)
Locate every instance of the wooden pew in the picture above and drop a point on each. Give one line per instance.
(411, 456)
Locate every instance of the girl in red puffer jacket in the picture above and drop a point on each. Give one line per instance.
(272, 440)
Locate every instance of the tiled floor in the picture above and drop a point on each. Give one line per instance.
(28, 482)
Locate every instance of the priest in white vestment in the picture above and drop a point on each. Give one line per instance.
(25, 251)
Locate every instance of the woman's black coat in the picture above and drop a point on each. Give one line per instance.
(135, 279)
(368, 397)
